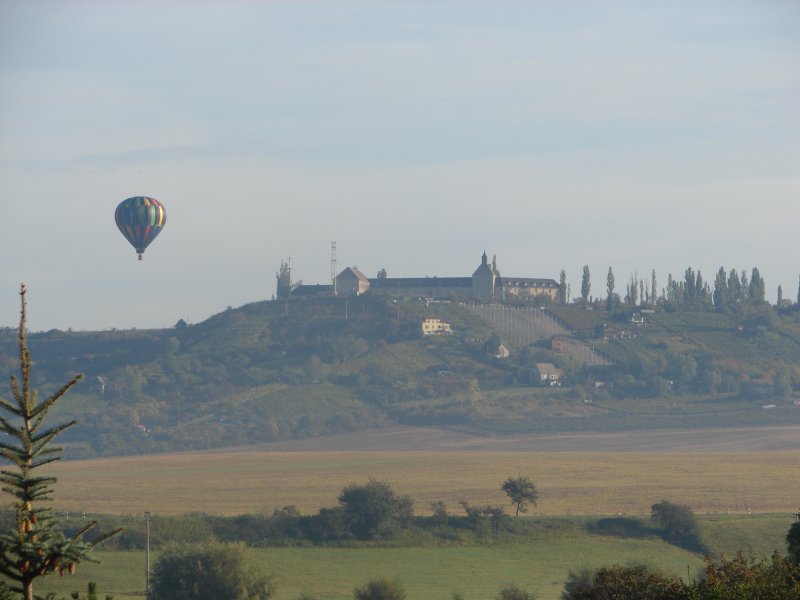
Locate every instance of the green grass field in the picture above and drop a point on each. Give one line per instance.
(540, 564)
(570, 483)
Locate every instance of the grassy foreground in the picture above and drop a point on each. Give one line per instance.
(236, 482)
(570, 483)
(540, 563)
(426, 573)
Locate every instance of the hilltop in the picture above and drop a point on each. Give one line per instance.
(280, 370)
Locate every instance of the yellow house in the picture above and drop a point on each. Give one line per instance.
(435, 327)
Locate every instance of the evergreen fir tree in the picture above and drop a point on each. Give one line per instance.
(35, 547)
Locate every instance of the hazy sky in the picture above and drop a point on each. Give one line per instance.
(636, 135)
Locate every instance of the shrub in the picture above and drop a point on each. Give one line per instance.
(512, 592)
(214, 570)
(380, 589)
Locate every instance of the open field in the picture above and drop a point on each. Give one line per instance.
(255, 480)
(540, 563)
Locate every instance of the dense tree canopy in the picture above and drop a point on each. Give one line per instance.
(522, 492)
(373, 510)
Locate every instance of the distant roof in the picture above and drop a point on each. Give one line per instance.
(548, 369)
(355, 272)
(420, 282)
(310, 289)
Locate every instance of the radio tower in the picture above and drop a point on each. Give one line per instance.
(333, 268)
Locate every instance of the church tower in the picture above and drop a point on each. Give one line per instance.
(483, 281)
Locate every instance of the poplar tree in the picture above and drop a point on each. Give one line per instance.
(35, 546)
(720, 296)
(586, 284)
(562, 287)
(610, 286)
(653, 287)
(757, 288)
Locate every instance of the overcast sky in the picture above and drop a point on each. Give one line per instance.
(636, 135)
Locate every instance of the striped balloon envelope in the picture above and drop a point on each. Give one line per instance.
(140, 219)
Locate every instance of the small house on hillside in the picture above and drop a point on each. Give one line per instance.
(435, 327)
(549, 374)
(502, 352)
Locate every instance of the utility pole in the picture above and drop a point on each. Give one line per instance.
(333, 268)
(147, 572)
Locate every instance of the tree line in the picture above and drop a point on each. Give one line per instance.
(731, 290)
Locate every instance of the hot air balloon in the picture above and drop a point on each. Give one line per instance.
(140, 219)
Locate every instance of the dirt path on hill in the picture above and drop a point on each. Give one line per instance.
(744, 439)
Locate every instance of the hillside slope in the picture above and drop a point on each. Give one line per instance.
(272, 371)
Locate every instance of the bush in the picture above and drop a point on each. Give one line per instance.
(793, 542)
(380, 589)
(214, 570)
(631, 583)
(512, 592)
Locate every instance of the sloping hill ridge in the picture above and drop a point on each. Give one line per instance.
(271, 371)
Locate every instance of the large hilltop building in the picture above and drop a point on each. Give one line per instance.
(485, 285)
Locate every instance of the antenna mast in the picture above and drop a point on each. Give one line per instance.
(333, 268)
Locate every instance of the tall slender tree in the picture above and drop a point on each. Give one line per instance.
(757, 289)
(35, 546)
(586, 284)
(610, 288)
(653, 287)
(720, 295)
(562, 287)
(745, 287)
(734, 288)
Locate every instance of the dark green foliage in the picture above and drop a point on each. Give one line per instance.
(35, 546)
(512, 592)
(6, 593)
(586, 284)
(757, 288)
(562, 287)
(720, 296)
(485, 518)
(373, 511)
(380, 589)
(743, 578)
(793, 542)
(739, 578)
(439, 510)
(678, 525)
(91, 593)
(619, 526)
(617, 582)
(522, 492)
(218, 571)
(610, 304)
(284, 281)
